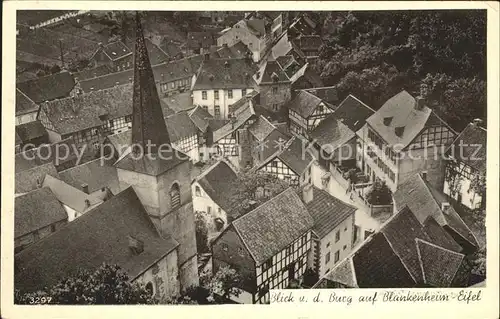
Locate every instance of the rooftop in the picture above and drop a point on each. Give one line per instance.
(31, 179)
(464, 147)
(24, 104)
(47, 88)
(116, 50)
(30, 131)
(225, 74)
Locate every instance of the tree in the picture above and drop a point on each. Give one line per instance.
(252, 189)
(379, 193)
(225, 283)
(311, 277)
(477, 261)
(107, 284)
(201, 233)
(55, 69)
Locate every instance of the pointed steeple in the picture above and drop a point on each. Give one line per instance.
(148, 124)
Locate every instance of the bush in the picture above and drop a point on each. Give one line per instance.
(379, 194)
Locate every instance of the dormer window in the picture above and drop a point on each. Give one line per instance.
(387, 121)
(175, 196)
(399, 131)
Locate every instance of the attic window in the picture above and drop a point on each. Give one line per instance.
(399, 131)
(387, 121)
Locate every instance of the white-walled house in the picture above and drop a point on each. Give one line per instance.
(26, 109)
(212, 190)
(333, 229)
(221, 83)
(402, 138)
(466, 161)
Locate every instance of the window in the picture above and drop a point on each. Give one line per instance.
(197, 191)
(216, 94)
(175, 196)
(263, 291)
(217, 111)
(149, 288)
(327, 258)
(209, 209)
(275, 90)
(275, 107)
(229, 94)
(204, 107)
(203, 95)
(337, 256)
(243, 92)
(267, 264)
(52, 228)
(337, 236)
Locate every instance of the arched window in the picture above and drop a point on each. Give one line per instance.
(149, 288)
(175, 196)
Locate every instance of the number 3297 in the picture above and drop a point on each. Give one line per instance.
(40, 300)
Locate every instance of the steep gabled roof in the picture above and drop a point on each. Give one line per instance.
(332, 132)
(28, 180)
(179, 126)
(116, 50)
(243, 114)
(274, 225)
(99, 236)
(261, 128)
(200, 118)
(465, 148)
(343, 273)
(305, 103)
(92, 73)
(35, 210)
(225, 74)
(46, 154)
(327, 211)
(24, 104)
(47, 88)
(218, 182)
(295, 156)
(353, 112)
(31, 130)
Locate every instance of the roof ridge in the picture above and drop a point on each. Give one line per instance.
(363, 103)
(335, 198)
(109, 74)
(399, 257)
(423, 241)
(420, 262)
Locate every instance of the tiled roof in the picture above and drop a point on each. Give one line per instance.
(92, 73)
(46, 88)
(46, 154)
(261, 128)
(309, 42)
(274, 225)
(439, 265)
(70, 196)
(80, 112)
(343, 273)
(327, 211)
(225, 74)
(272, 144)
(407, 121)
(30, 131)
(116, 50)
(327, 94)
(152, 165)
(17, 138)
(332, 132)
(26, 181)
(295, 156)
(180, 126)
(36, 209)
(170, 47)
(257, 27)
(178, 102)
(197, 40)
(240, 118)
(438, 235)
(218, 182)
(353, 113)
(469, 153)
(96, 174)
(24, 104)
(99, 236)
(304, 104)
(271, 72)
(425, 201)
(200, 118)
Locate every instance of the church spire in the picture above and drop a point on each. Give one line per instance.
(148, 124)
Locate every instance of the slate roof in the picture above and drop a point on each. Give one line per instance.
(30, 131)
(327, 211)
(70, 196)
(180, 126)
(92, 73)
(80, 112)
(46, 154)
(294, 157)
(47, 88)
(439, 265)
(332, 132)
(24, 104)
(353, 112)
(343, 273)
(471, 136)
(261, 128)
(271, 72)
(256, 26)
(96, 174)
(36, 209)
(178, 102)
(200, 118)
(225, 74)
(328, 94)
(152, 165)
(26, 181)
(272, 143)
(241, 116)
(218, 182)
(406, 119)
(197, 40)
(99, 236)
(309, 42)
(425, 201)
(17, 139)
(304, 104)
(273, 225)
(438, 235)
(116, 50)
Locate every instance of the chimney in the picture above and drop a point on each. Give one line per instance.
(307, 193)
(420, 103)
(85, 188)
(445, 206)
(206, 56)
(252, 205)
(136, 245)
(38, 183)
(424, 175)
(477, 122)
(226, 64)
(233, 121)
(87, 203)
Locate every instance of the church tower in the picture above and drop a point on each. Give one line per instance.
(160, 175)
